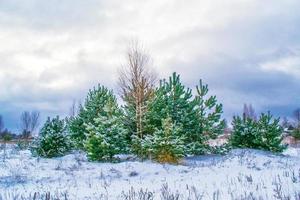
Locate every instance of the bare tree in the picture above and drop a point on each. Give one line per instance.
(1, 124)
(285, 122)
(296, 115)
(245, 111)
(73, 109)
(136, 82)
(249, 112)
(29, 122)
(35, 121)
(25, 121)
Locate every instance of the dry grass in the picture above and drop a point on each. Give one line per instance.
(166, 157)
(16, 141)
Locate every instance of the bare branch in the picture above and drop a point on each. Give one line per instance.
(29, 122)
(296, 115)
(73, 109)
(35, 121)
(249, 112)
(137, 81)
(25, 121)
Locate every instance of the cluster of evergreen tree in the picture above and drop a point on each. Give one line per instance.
(173, 123)
(197, 118)
(264, 133)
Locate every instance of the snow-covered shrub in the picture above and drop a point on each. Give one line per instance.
(105, 136)
(53, 140)
(244, 132)
(23, 145)
(265, 133)
(165, 145)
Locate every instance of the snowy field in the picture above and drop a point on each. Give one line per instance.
(242, 174)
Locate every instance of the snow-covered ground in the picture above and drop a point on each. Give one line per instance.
(242, 174)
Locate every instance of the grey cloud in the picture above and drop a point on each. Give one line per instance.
(60, 49)
(51, 14)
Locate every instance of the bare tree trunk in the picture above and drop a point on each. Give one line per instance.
(73, 110)
(29, 123)
(297, 116)
(136, 83)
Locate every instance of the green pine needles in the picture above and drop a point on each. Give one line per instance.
(53, 140)
(209, 122)
(106, 135)
(165, 145)
(296, 132)
(99, 127)
(199, 117)
(265, 133)
(93, 106)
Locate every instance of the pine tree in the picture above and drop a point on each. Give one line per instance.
(265, 133)
(92, 108)
(165, 145)
(76, 129)
(199, 117)
(53, 140)
(270, 133)
(209, 121)
(106, 135)
(172, 100)
(244, 132)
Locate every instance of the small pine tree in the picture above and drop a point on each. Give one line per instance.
(270, 133)
(266, 133)
(106, 135)
(53, 140)
(76, 129)
(92, 108)
(165, 145)
(244, 132)
(209, 121)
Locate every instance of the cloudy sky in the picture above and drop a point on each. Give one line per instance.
(52, 52)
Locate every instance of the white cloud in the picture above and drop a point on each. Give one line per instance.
(289, 65)
(53, 51)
